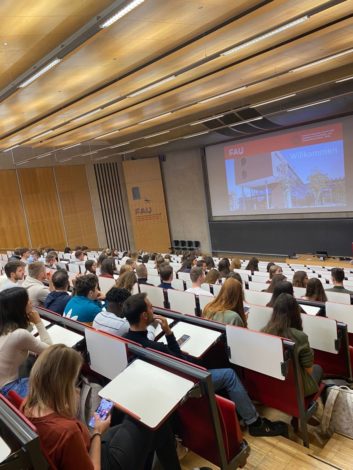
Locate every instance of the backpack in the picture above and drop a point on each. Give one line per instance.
(338, 411)
(89, 399)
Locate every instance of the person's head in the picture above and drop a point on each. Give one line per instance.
(15, 270)
(37, 270)
(230, 297)
(271, 263)
(141, 271)
(145, 259)
(300, 279)
(159, 260)
(137, 309)
(79, 255)
(197, 276)
(50, 259)
(131, 262)
(282, 287)
(91, 266)
(315, 290)
(275, 280)
(24, 253)
(87, 286)
(166, 273)
(108, 267)
(52, 381)
(201, 263)
(212, 276)
(14, 308)
(253, 264)
(125, 268)
(115, 299)
(235, 264)
(236, 276)
(60, 280)
(337, 276)
(286, 315)
(274, 269)
(126, 281)
(67, 249)
(100, 259)
(223, 267)
(34, 256)
(209, 262)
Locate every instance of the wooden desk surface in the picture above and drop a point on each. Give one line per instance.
(315, 261)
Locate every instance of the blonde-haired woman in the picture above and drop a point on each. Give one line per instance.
(126, 281)
(52, 407)
(228, 306)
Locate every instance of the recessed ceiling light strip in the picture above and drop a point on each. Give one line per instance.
(308, 105)
(247, 121)
(195, 135)
(156, 134)
(12, 148)
(160, 143)
(206, 119)
(124, 11)
(236, 90)
(150, 87)
(321, 61)
(40, 72)
(263, 103)
(344, 79)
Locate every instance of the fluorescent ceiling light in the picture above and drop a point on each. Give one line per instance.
(194, 135)
(124, 11)
(119, 145)
(105, 135)
(321, 61)
(11, 148)
(43, 134)
(222, 94)
(86, 115)
(257, 105)
(150, 87)
(40, 72)
(65, 160)
(43, 155)
(154, 118)
(308, 105)
(344, 79)
(71, 146)
(160, 143)
(125, 153)
(22, 163)
(156, 134)
(262, 37)
(207, 119)
(246, 121)
(102, 158)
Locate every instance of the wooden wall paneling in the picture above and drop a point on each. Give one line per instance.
(147, 204)
(76, 205)
(13, 231)
(42, 207)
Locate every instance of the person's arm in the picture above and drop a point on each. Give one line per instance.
(100, 426)
(173, 345)
(34, 317)
(305, 353)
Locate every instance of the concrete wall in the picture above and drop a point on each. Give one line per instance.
(185, 197)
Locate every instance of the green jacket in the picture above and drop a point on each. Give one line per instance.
(306, 360)
(229, 318)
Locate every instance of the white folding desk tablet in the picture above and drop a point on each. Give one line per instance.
(146, 392)
(201, 339)
(58, 334)
(5, 450)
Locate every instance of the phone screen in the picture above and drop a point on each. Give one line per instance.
(183, 339)
(103, 411)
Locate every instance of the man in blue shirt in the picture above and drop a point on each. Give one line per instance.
(166, 273)
(84, 306)
(59, 297)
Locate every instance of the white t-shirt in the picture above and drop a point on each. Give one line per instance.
(199, 291)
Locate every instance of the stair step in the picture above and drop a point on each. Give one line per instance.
(338, 451)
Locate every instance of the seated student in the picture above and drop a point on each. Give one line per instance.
(52, 408)
(131, 262)
(197, 277)
(274, 269)
(15, 272)
(315, 291)
(201, 263)
(79, 257)
(84, 305)
(37, 291)
(209, 262)
(228, 306)
(51, 260)
(166, 274)
(139, 313)
(276, 278)
(300, 279)
(126, 281)
(287, 323)
(125, 268)
(235, 264)
(282, 287)
(90, 266)
(337, 278)
(142, 274)
(59, 297)
(159, 261)
(212, 277)
(253, 264)
(108, 268)
(271, 263)
(111, 318)
(16, 313)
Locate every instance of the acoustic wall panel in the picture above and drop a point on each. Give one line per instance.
(112, 204)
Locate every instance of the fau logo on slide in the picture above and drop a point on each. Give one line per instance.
(235, 151)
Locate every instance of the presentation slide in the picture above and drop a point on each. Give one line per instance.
(300, 171)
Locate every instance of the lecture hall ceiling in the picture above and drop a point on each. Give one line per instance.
(142, 85)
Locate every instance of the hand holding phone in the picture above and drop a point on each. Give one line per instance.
(102, 413)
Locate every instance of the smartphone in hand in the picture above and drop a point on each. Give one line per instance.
(103, 411)
(183, 339)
